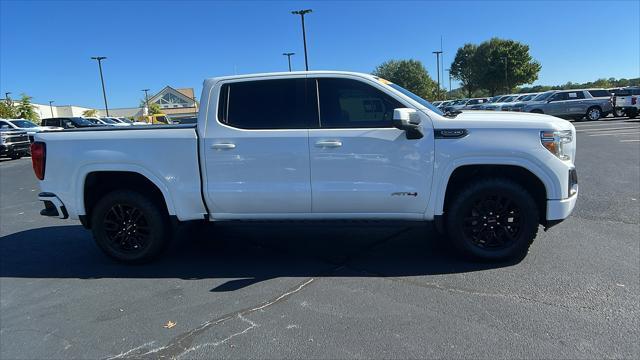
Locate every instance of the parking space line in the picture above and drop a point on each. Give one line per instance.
(603, 124)
(630, 140)
(610, 129)
(616, 134)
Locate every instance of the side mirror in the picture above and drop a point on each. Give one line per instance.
(408, 120)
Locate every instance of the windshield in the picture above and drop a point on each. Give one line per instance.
(109, 121)
(416, 98)
(23, 124)
(543, 96)
(125, 120)
(508, 99)
(528, 97)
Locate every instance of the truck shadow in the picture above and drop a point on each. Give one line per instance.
(245, 255)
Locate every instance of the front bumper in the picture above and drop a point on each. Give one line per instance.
(561, 209)
(15, 148)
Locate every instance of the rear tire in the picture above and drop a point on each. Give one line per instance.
(130, 227)
(618, 113)
(493, 219)
(632, 113)
(15, 156)
(594, 113)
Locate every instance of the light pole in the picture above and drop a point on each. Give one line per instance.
(304, 34)
(51, 107)
(104, 93)
(449, 72)
(506, 82)
(438, 62)
(7, 98)
(288, 55)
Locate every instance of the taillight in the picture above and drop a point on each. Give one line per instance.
(634, 100)
(39, 158)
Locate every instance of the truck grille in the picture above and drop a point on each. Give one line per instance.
(16, 139)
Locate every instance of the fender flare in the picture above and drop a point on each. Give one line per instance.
(439, 187)
(85, 170)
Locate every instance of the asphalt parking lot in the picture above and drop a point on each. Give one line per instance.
(283, 291)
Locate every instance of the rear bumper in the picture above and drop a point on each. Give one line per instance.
(53, 206)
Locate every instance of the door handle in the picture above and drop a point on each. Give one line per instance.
(223, 146)
(329, 143)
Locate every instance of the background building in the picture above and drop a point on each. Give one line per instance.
(175, 103)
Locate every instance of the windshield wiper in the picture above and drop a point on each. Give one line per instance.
(452, 113)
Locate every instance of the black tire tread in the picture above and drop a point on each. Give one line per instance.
(470, 190)
(156, 215)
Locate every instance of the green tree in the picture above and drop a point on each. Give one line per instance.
(410, 74)
(25, 110)
(7, 110)
(464, 68)
(153, 109)
(90, 113)
(504, 64)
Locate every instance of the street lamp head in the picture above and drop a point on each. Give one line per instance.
(288, 54)
(98, 57)
(51, 102)
(301, 12)
(144, 90)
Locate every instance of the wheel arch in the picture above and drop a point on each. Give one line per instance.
(528, 175)
(96, 183)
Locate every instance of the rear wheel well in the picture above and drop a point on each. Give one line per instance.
(467, 174)
(98, 184)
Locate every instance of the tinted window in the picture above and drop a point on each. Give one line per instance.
(346, 103)
(599, 93)
(573, 95)
(269, 104)
(68, 123)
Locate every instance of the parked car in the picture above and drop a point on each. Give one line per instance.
(444, 104)
(572, 104)
(474, 104)
(314, 145)
(28, 126)
(13, 143)
(105, 121)
(519, 102)
(502, 101)
(114, 121)
(68, 122)
(437, 103)
(455, 105)
(626, 101)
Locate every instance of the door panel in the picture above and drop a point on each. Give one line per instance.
(360, 163)
(263, 172)
(256, 148)
(373, 171)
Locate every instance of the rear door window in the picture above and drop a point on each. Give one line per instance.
(269, 104)
(346, 103)
(600, 93)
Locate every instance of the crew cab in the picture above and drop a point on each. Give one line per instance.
(314, 146)
(627, 101)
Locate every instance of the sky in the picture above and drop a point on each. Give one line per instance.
(46, 46)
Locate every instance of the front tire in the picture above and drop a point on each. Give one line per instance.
(618, 113)
(15, 156)
(493, 219)
(130, 227)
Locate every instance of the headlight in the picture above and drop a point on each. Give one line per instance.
(554, 141)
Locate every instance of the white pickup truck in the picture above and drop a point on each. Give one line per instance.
(317, 145)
